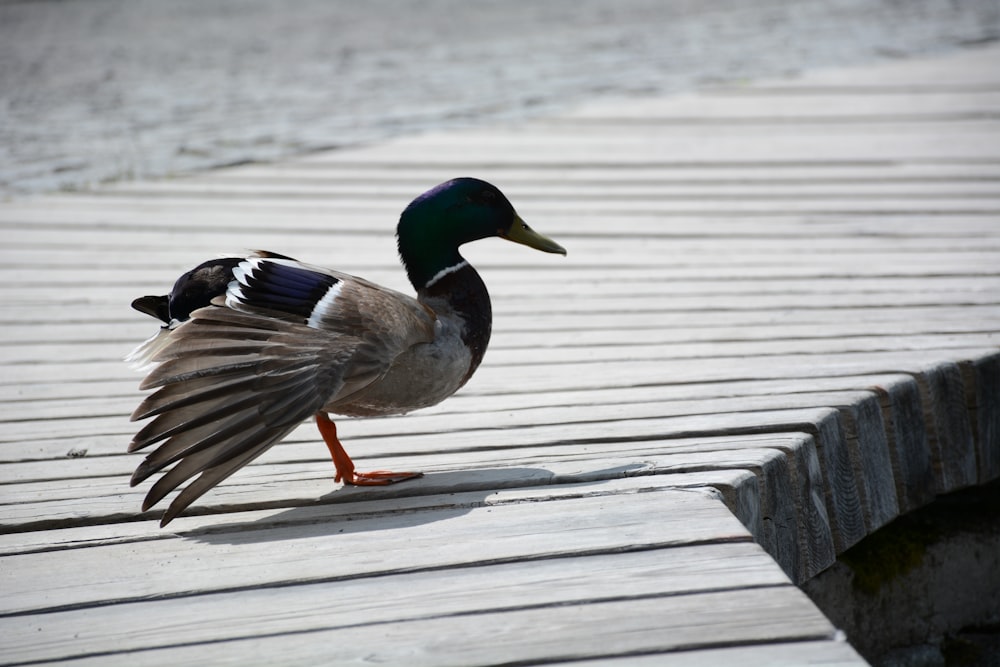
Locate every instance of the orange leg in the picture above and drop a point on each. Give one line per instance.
(345, 466)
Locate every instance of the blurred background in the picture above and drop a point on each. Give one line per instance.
(104, 90)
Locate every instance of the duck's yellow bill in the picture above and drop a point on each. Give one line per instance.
(520, 232)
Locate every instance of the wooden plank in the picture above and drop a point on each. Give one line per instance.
(908, 443)
(647, 206)
(249, 217)
(982, 384)
(547, 634)
(384, 180)
(595, 324)
(61, 352)
(798, 513)
(770, 501)
(833, 653)
(618, 300)
(374, 250)
(813, 531)
(856, 333)
(948, 428)
(116, 399)
(42, 503)
(28, 509)
(600, 374)
(868, 447)
(339, 193)
(633, 247)
(873, 443)
(538, 147)
(372, 538)
(564, 281)
(790, 104)
(309, 483)
(488, 426)
(401, 597)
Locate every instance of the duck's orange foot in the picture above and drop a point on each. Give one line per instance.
(378, 477)
(345, 466)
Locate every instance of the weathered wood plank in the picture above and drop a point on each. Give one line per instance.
(609, 192)
(546, 634)
(911, 333)
(767, 508)
(948, 428)
(402, 597)
(691, 205)
(262, 215)
(873, 513)
(792, 103)
(833, 653)
(106, 499)
(678, 252)
(868, 447)
(374, 538)
(117, 398)
(599, 415)
(69, 351)
(318, 169)
(813, 531)
(540, 147)
(909, 446)
(309, 483)
(982, 384)
(565, 281)
(601, 374)
(487, 427)
(508, 450)
(595, 324)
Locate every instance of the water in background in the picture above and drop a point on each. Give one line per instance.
(96, 90)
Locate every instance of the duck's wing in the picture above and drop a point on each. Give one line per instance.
(238, 376)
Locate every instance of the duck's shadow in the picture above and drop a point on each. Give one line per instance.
(431, 498)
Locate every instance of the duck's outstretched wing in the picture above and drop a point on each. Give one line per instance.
(239, 375)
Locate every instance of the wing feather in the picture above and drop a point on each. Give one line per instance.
(175, 396)
(192, 441)
(207, 411)
(252, 443)
(212, 476)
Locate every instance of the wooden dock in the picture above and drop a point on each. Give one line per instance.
(777, 329)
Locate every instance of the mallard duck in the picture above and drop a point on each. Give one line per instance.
(250, 347)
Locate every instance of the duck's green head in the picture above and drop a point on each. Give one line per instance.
(437, 222)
